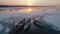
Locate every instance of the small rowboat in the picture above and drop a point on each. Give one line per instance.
(23, 26)
(38, 24)
(27, 25)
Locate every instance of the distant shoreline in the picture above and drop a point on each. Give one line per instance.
(22, 6)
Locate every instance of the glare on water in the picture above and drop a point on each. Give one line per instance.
(28, 10)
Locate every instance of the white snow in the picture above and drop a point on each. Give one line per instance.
(53, 19)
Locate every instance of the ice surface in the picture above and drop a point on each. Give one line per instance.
(53, 19)
(11, 16)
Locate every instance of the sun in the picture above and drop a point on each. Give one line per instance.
(30, 2)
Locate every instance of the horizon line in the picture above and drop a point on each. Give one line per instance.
(22, 6)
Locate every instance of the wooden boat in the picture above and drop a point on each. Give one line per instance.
(24, 26)
(27, 25)
(38, 24)
(18, 28)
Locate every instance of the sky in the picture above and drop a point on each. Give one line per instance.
(31, 2)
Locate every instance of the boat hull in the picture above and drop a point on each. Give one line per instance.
(38, 24)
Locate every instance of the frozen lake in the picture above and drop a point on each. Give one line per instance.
(53, 19)
(11, 15)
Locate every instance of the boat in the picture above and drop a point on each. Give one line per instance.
(24, 26)
(27, 25)
(38, 24)
(20, 27)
